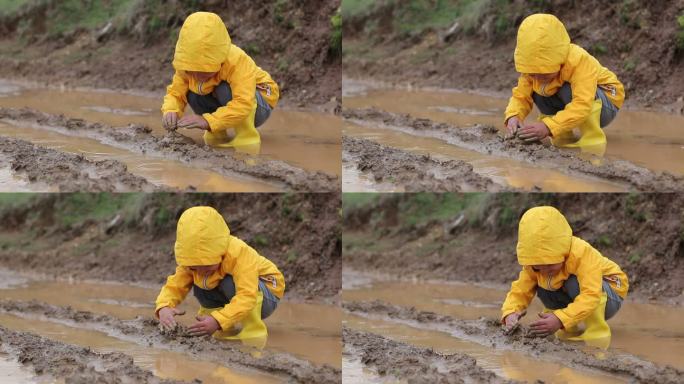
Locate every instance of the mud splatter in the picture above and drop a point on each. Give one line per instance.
(412, 172)
(486, 139)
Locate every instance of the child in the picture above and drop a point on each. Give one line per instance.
(231, 281)
(571, 278)
(222, 84)
(568, 85)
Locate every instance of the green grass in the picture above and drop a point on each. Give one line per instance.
(355, 200)
(335, 48)
(12, 200)
(78, 207)
(8, 7)
(679, 38)
(69, 15)
(352, 8)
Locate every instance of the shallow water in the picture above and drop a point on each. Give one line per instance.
(650, 139)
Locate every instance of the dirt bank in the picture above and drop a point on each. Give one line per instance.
(411, 172)
(470, 44)
(130, 44)
(68, 172)
(412, 364)
(130, 237)
(488, 332)
(486, 139)
(446, 236)
(146, 332)
(138, 139)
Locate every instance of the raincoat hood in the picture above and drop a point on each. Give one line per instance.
(203, 43)
(544, 237)
(542, 46)
(202, 237)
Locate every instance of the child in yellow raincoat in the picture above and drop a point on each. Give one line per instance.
(222, 84)
(568, 85)
(231, 281)
(571, 278)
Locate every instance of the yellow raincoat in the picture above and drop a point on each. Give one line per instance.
(545, 237)
(203, 238)
(204, 46)
(543, 46)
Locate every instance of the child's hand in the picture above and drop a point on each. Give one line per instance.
(511, 321)
(205, 325)
(534, 132)
(548, 324)
(166, 315)
(170, 120)
(512, 126)
(193, 121)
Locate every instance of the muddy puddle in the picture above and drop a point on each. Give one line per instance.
(308, 331)
(649, 139)
(156, 170)
(12, 371)
(516, 174)
(292, 136)
(652, 332)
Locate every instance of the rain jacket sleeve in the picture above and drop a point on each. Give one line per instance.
(176, 99)
(520, 103)
(174, 291)
(583, 82)
(521, 294)
(590, 278)
(242, 80)
(245, 271)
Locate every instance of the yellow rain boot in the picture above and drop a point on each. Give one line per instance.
(595, 325)
(246, 135)
(593, 139)
(253, 332)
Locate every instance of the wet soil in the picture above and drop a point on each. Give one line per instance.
(138, 139)
(487, 139)
(413, 364)
(487, 331)
(410, 172)
(66, 172)
(146, 331)
(74, 364)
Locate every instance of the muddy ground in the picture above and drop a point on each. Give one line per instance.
(411, 172)
(404, 42)
(408, 363)
(487, 331)
(74, 364)
(138, 139)
(136, 49)
(145, 331)
(69, 172)
(488, 140)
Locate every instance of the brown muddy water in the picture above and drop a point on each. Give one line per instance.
(650, 139)
(652, 332)
(292, 136)
(309, 331)
(517, 174)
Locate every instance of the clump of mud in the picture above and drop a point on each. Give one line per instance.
(178, 331)
(412, 364)
(486, 139)
(413, 172)
(488, 332)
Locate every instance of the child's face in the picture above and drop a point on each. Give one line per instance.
(544, 77)
(204, 269)
(548, 269)
(201, 76)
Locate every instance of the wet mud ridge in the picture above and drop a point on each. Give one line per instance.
(74, 364)
(488, 332)
(487, 140)
(413, 364)
(145, 331)
(139, 139)
(69, 172)
(413, 172)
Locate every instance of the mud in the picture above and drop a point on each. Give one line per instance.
(66, 172)
(410, 172)
(138, 139)
(413, 364)
(486, 139)
(145, 331)
(74, 364)
(487, 331)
